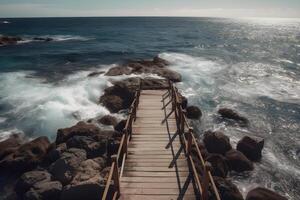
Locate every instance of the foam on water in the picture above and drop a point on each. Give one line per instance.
(55, 38)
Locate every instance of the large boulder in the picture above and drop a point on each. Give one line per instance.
(27, 156)
(28, 179)
(263, 194)
(233, 115)
(154, 83)
(219, 166)
(55, 152)
(9, 145)
(120, 126)
(237, 161)
(216, 142)
(80, 129)
(92, 147)
(44, 191)
(64, 168)
(112, 102)
(193, 112)
(251, 147)
(183, 101)
(108, 120)
(227, 190)
(87, 182)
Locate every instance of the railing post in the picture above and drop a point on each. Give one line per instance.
(116, 175)
(125, 142)
(205, 183)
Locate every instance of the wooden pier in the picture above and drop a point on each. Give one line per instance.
(154, 159)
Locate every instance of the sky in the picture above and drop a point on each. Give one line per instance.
(201, 8)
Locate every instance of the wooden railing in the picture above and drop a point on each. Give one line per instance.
(118, 160)
(203, 180)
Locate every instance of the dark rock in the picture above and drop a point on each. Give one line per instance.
(56, 152)
(108, 120)
(120, 126)
(9, 146)
(183, 101)
(92, 147)
(160, 62)
(219, 166)
(112, 102)
(9, 40)
(46, 39)
(227, 190)
(237, 161)
(87, 182)
(154, 83)
(193, 112)
(231, 114)
(80, 129)
(251, 147)
(64, 168)
(263, 194)
(27, 156)
(28, 179)
(44, 191)
(93, 74)
(216, 142)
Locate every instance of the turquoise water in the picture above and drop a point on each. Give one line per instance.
(251, 65)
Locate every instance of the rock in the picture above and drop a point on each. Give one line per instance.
(80, 129)
(219, 165)
(47, 39)
(108, 120)
(183, 101)
(92, 147)
(9, 40)
(93, 74)
(155, 66)
(112, 102)
(216, 142)
(238, 162)
(44, 191)
(227, 190)
(251, 147)
(86, 183)
(9, 146)
(28, 179)
(231, 114)
(193, 112)
(263, 194)
(64, 168)
(154, 83)
(27, 156)
(56, 152)
(120, 126)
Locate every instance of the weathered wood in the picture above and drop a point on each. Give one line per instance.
(155, 197)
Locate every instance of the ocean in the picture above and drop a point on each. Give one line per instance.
(251, 65)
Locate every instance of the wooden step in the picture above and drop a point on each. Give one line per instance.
(155, 197)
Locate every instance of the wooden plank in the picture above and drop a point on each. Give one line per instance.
(155, 197)
(155, 174)
(173, 179)
(155, 164)
(150, 191)
(156, 169)
(150, 185)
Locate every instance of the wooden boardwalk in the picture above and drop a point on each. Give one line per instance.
(156, 166)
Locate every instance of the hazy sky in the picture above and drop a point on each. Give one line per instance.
(210, 8)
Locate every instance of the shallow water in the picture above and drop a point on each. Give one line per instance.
(251, 65)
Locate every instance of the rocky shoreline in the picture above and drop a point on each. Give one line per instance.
(13, 40)
(76, 164)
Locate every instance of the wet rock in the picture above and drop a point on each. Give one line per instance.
(219, 166)
(28, 179)
(216, 142)
(183, 101)
(193, 112)
(112, 102)
(155, 66)
(238, 162)
(9, 146)
(43, 39)
(251, 147)
(227, 189)
(108, 120)
(44, 191)
(92, 147)
(93, 74)
(27, 156)
(233, 115)
(87, 182)
(9, 40)
(154, 83)
(263, 194)
(80, 129)
(64, 168)
(56, 152)
(120, 126)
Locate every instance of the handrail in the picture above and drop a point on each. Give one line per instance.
(189, 140)
(115, 174)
